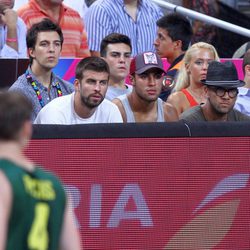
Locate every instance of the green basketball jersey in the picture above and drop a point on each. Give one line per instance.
(37, 208)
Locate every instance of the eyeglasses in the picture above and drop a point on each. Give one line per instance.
(221, 92)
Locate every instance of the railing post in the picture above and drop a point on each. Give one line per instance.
(204, 18)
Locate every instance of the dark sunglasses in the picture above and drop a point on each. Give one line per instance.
(221, 91)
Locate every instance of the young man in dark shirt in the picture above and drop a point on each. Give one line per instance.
(174, 35)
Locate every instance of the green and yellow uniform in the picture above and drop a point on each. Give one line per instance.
(38, 204)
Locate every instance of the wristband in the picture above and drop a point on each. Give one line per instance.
(11, 40)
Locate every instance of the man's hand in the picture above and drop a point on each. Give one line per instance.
(9, 18)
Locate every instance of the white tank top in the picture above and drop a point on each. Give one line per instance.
(130, 114)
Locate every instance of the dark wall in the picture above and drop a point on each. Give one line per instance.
(11, 69)
(143, 130)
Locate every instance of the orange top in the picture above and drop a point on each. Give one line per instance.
(75, 38)
(177, 65)
(190, 98)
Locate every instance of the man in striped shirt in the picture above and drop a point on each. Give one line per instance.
(75, 40)
(134, 18)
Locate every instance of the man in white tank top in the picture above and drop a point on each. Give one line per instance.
(143, 103)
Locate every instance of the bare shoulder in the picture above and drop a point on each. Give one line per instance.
(176, 97)
(6, 191)
(179, 101)
(119, 104)
(170, 113)
(5, 208)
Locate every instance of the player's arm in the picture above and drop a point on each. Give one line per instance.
(70, 238)
(5, 208)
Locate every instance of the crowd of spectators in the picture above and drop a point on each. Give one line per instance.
(116, 31)
(108, 87)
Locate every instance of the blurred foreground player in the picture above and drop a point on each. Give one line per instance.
(34, 213)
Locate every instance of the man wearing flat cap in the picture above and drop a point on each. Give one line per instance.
(221, 91)
(143, 103)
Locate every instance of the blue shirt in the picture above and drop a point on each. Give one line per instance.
(108, 16)
(8, 52)
(243, 101)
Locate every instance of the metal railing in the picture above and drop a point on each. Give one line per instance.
(204, 18)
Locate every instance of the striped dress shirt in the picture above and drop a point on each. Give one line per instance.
(75, 37)
(108, 16)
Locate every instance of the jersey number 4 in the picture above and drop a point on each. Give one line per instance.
(38, 237)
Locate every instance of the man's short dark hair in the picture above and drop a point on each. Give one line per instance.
(178, 28)
(246, 60)
(93, 63)
(15, 110)
(113, 38)
(43, 26)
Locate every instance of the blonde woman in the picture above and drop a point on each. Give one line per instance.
(188, 90)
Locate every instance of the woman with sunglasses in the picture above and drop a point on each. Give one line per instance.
(188, 90)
